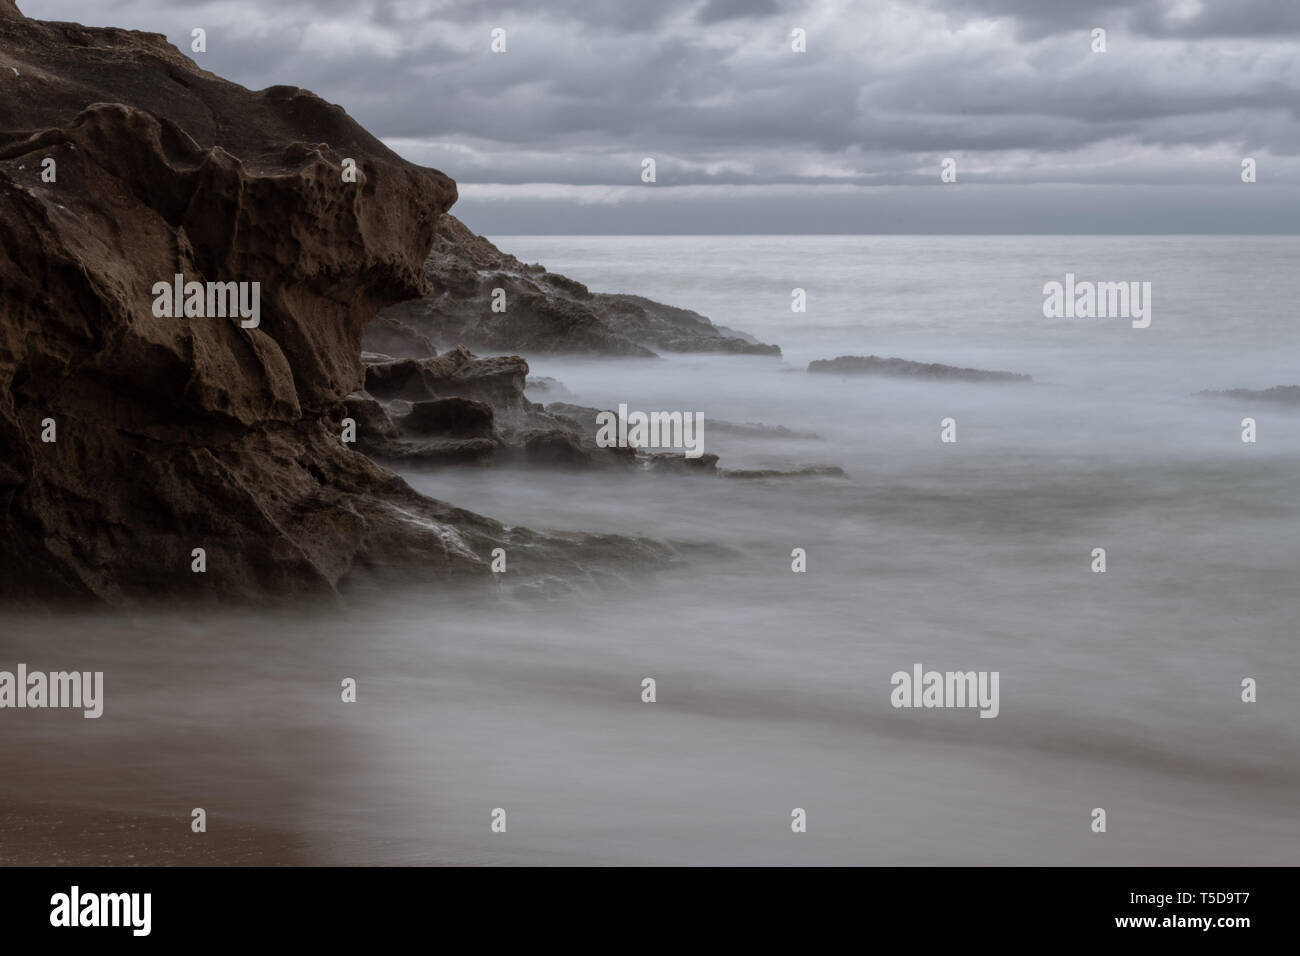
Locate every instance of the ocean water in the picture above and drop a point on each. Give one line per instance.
(1119, 691)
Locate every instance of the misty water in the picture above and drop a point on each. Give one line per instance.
(1119, 690)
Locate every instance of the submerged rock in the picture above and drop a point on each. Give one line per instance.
(544, 312)
(1287, 394)
(804, 471)
(875, 365)
(678, 464)
(585, 418)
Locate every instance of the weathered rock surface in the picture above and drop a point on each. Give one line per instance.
(678, 464)
(875, 365)
(1287, 394)
(457, 408)
(180, 433)
(545, 385)
(545, 313)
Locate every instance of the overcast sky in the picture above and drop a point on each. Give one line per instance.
(750, 136)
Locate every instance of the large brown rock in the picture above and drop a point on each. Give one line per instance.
(183, 433)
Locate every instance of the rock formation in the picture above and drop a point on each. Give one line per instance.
(875, 365)
(544, 312)
(457, 408)
(585, 417)
(1286, 394)
(805, 471)
(129, 439)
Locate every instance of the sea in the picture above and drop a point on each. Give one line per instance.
(1163, 691)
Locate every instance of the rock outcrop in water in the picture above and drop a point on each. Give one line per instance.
(129, 440)
(875, 365)
(585, 417)
(457, 408)
(544, 312)
(1286, 394)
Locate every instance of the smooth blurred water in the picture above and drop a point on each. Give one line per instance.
(1118, 690)
(1223, 305)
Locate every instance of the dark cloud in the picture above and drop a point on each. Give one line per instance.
(712, 90)
(715, 11)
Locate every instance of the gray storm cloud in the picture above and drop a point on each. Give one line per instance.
(712, 90)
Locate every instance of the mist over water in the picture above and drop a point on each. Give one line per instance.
(1118, 690)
